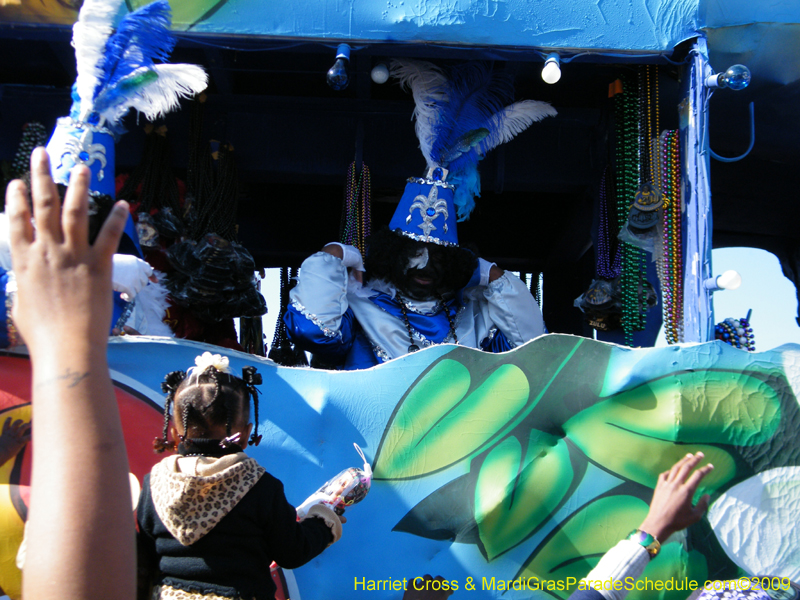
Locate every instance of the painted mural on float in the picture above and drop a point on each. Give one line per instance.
(493, 469)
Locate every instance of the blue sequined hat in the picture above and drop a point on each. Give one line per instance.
(119, 68)
(426, 212)
(460, 115)
(74, 142)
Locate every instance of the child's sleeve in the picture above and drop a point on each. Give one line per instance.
(295, 543)
(146, 557)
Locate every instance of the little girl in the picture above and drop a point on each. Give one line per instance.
(211, 520)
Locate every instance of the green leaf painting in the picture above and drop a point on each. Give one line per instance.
(441, 424)
(518, 488)
(525, 426)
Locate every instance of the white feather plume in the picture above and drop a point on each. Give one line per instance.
(506, 124)
(428, 85)
(164, 93)
(89, 35)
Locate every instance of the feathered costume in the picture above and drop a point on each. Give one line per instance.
(462, 117)
(119, 69)
(459, 118)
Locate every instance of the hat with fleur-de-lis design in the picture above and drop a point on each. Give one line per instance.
(119, 68)
(460, 115)
(426, 212)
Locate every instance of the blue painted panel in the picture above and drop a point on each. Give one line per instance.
(643, 25)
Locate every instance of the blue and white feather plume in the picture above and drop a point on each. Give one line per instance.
(122, 68)
(463, 114)
(119, 68)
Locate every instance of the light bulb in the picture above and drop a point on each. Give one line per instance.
(736, 77)
(729, 280)
(380, 73)
(337, 74)
(551, 72)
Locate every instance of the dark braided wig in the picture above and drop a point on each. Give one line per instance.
(154, 174)
(200, 408)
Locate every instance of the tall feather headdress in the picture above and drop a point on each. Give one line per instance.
(460, 116)
(118, 69)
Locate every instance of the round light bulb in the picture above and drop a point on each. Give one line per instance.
(551, 72)
(337, 75)
(736, 77)
(380, 73)
(729, 280)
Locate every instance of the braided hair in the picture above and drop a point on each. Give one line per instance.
(203, 400)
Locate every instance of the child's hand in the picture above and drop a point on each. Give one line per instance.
(64, 283)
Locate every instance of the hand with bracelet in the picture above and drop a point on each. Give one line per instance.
(671, 510)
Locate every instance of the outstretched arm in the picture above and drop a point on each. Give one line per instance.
(671, 510)
(80, 530)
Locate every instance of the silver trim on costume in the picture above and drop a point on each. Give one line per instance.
(315, 320)
(425, 238)
(428, 312)
(423, 181)
(70, 122)
(381, 353)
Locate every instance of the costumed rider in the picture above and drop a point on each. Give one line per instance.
(419, 287)
(119, 69)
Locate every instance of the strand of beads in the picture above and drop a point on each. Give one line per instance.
(357, 213)
(365, 201)
(672, 240)
(636, 163)
(33, 134)
(606, 234)
(736, 332)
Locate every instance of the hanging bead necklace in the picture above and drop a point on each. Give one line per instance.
(606, 236)
(635, 153)
(413, 347)
(672, 282)
(357, 214)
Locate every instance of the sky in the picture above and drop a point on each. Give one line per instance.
(764, 289)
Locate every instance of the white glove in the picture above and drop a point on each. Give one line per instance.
(485, 267)
(130, 275)
(351, 256)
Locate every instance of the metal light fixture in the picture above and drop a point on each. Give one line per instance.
(551, 72)
(337, 75)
